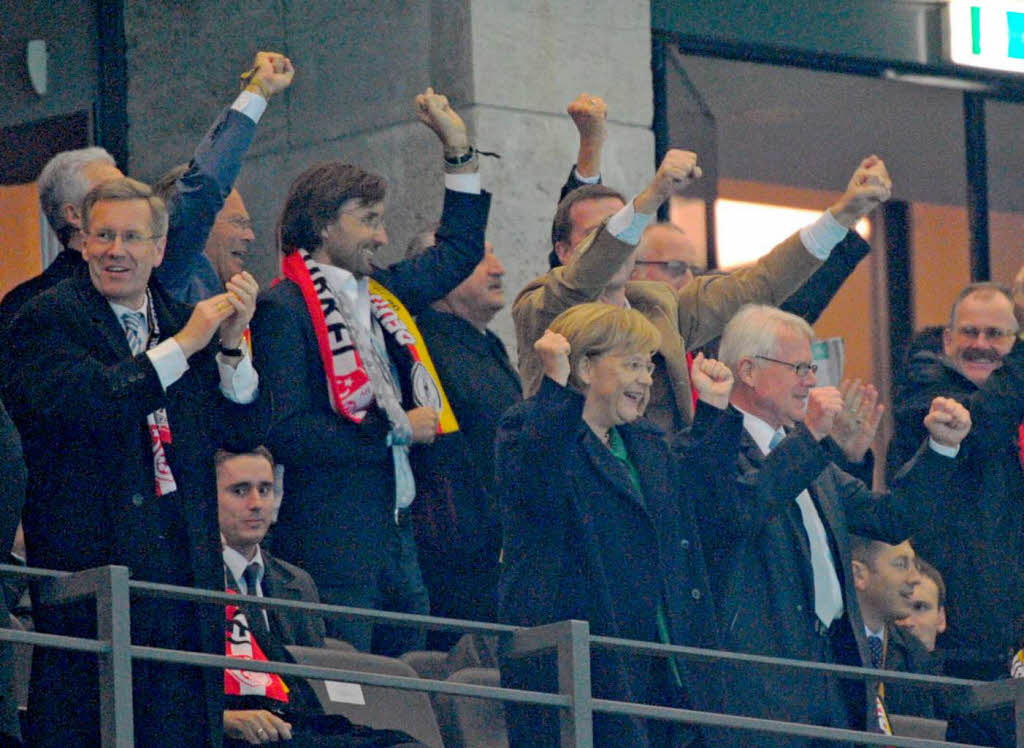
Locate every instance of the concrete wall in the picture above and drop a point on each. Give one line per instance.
(69, 29)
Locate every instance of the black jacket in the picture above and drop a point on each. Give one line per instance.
(979, 544)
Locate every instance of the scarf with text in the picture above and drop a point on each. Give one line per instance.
(349, 384)
(240, 642)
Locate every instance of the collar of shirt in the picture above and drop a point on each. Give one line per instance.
(759, 430)
(237, 564)
(356, 290)
(868, 632)
(120, 310)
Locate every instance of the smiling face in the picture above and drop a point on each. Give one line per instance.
(353, 239)
(230, 239)
(121, 251)
(885, 585)
(968, 347)
(245, 501)
(776, 393)
(617, 387)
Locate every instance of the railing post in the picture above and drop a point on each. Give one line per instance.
(113, 624)
(1018, 709)
(573, 650)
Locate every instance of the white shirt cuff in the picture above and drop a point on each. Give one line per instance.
(169, 361)
(463, 182)
(252, 105)
(942, 449)
(596, 179)
(240, 383)
(821, 236)
(627, 225)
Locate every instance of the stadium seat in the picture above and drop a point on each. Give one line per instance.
(472, 723)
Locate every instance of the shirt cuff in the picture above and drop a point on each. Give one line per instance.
(252, 105)
(240, 383)
(169, 361)
(596, 179)
(942, 449)
(627, 225)
(821, 236)
(463, 182)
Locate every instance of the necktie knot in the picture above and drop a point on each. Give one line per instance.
(251, 577)
(132, 323)
(777, 437)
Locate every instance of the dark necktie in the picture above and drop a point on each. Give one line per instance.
(254, 613)
(875, 647)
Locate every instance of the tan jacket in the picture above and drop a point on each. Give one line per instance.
(686, 319)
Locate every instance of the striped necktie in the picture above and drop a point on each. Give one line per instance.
(132, 323)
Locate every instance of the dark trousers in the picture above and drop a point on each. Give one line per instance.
(398, 587)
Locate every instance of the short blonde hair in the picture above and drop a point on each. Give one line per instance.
(594, 329)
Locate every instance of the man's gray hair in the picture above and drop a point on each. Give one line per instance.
(754, 331)
(62, 181)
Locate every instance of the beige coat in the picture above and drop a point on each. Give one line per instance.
(687, 319)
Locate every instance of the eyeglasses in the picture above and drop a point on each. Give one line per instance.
(373, 221)
(129, 238)
(994, 334)
(242, 224)
(672, 267)
(802, 368)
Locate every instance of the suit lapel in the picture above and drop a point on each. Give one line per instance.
(104, 321)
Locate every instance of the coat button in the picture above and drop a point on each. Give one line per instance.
(800, 608)
(695, 593)
(137, 499)
(684, 544)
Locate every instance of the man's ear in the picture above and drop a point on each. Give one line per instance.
(161, 244)
(947, 340)
(860, 575)
(71, 215)
(941, 628)
(745, 371)
(564, 252)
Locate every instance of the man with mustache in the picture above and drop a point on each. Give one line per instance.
(979, 544)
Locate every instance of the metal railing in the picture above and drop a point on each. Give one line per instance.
(570, 641)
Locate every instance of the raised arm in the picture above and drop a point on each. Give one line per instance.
(200, 192)
(590, 115)
(708, 303)
(459, 247)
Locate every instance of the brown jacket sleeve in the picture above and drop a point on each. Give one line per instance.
(708, 303)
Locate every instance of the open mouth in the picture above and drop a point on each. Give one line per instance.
(637, 398)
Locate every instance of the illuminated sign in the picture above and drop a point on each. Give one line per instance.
(987, 34)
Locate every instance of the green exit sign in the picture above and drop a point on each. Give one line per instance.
(987, 34)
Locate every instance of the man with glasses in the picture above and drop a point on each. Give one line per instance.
(121, 396)
(982, 365)
(352, 383)
(776, 530)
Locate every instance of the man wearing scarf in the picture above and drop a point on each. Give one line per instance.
(352, 383)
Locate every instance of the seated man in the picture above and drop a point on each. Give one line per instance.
(261, 707)
(927, 618)
(885, 577)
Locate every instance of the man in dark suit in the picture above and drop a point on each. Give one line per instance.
(120, 397)
(776, 533)
(458, 530)
(352, 383)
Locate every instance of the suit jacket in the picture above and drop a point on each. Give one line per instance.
(456, 506)
(80, 400)
(905, 654)
(339, 475)
(581, 543)
(289, 582)
(759, 562)
(979, 545)
(686, 319)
